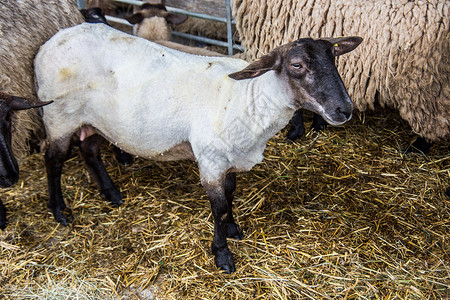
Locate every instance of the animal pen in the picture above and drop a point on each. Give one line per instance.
(341, 214)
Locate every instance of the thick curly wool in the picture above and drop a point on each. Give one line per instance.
(404, 58)
(25, 25)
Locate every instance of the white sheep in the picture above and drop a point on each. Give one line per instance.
(405, 61)
(164, 104)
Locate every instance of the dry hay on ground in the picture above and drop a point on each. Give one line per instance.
(340, 215)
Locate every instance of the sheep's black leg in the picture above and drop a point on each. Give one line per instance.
(297, 129)
(54, 161)
(318, 124)
(233, 230)
(219, 205)
(2, 215)
(90, 151)
(122, 157)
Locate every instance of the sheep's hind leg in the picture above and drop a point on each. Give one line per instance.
(122, 157)
(219, 206)
(90, 151)
(54, 161)
(233, 230)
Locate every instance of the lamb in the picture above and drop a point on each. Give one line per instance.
(25, 25)
(163, 104)
(151, 22)
(405, 64)
(9, 169)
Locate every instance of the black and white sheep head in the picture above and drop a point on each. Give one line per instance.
(9, 170)
(94, 15)
(307, 67)
(152, 21)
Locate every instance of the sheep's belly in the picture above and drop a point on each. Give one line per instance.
(181, 151)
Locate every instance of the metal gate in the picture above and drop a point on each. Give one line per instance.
(228, 20)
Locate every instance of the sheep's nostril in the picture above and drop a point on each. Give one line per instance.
(343, 112)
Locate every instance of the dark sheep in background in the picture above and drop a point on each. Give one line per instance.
(9, 168)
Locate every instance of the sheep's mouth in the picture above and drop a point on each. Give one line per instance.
(333, 122)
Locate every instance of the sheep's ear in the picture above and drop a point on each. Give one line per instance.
(176, 18)
(135, 18)
(18, 103)
(268, 62)
(344, 45)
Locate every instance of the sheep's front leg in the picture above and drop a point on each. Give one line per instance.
(297, 129)
(54, 161)
(220, 209)
(2, 215)
(233, 230)
(90, 151)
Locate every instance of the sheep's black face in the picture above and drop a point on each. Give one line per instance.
(308, 67)
(9, 170)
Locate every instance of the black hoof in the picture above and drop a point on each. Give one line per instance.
(113, 196)
(61, 216)
(234, 232)
(228, 268)
(224, 261)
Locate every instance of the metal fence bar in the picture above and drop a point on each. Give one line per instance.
(81, 4)
(229, 31)
(132, 2)
(118, 20)
(206, 40)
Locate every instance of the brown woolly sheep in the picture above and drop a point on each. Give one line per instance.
(25, 25)
(404, 63)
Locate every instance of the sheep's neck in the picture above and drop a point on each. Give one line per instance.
(268, 109)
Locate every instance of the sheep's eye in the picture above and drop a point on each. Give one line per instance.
(297, 66)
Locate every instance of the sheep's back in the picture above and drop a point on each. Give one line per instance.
(25, 26)
(404, 55)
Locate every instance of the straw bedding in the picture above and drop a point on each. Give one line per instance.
(343, 214)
